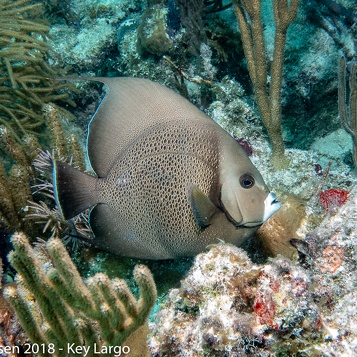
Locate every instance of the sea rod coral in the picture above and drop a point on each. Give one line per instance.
(23, 172)
(58, 309)
(348, 106)
(25, 83)
(248, 13)
(27, 93)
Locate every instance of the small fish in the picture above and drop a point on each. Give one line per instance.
(169, 182)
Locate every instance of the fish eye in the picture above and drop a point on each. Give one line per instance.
(246, 181)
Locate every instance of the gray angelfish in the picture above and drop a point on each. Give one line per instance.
(170, 181)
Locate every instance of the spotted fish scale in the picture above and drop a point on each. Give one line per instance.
(156, 159)
(169, 180)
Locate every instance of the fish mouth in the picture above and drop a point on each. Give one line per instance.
(271, 205)
(249, 225)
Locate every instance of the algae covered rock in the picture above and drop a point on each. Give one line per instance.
(152, 36)
(329, 253)
(228, 306)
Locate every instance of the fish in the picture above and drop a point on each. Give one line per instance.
(168, 180)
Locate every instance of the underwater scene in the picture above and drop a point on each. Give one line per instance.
(178, 178)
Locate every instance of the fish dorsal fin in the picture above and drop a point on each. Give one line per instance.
(130, 107)
(202, 207)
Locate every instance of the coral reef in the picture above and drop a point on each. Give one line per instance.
(84, 36)
(309, 85)
(58, 309)
(28, 90)
(328, 254)
(335, 147)
(269, 304)
(228, 306)
(323, 31)
(152, 35)
(338, 19)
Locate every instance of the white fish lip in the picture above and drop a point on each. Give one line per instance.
(271, 205)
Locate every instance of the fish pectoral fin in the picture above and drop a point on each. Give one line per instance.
(202, 207)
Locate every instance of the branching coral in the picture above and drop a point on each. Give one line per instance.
(25, 83)
(348, 107)
(15, 182)
(27, 169)
(191, 17)
(26, 108)
(268, 92)
(97, 313)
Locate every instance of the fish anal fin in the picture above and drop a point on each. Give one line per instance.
(74, 190)
(202, 207)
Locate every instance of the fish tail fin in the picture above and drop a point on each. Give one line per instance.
(74, 190)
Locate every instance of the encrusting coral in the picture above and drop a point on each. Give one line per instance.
(228, 306)
(152, 36)
(329, 255)
(57, 308)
